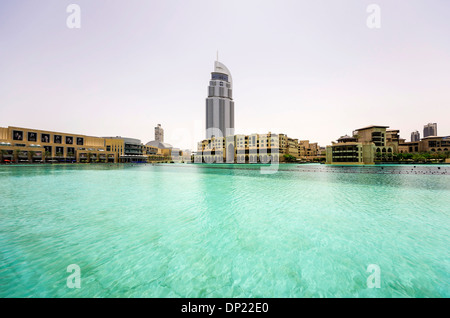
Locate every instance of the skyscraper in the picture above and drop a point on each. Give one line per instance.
(415, 136)
(219, 103)
(430, 130)
(159, 133)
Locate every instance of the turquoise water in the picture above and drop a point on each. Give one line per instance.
(224, 231)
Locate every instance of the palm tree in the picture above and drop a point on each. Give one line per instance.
(47, 154)
(2, 153)
(16, 155)
(31, 155)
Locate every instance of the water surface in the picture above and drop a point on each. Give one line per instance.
(224, 231)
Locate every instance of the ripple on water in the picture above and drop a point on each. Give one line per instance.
(224, 231)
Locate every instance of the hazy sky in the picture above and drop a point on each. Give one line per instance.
(310, 69)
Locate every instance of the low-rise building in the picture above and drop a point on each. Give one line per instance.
(18, 144)
(428, 144)
(254, 148)
(367, 145)
(26, 145)
(127, 149)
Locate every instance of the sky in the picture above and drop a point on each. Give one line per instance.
(313, 70)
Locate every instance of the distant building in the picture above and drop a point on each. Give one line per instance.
(415, 136)
(307, 149)
(159, 133)
(159, 139)
(430, 130)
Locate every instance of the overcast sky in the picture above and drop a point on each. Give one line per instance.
(309, 69)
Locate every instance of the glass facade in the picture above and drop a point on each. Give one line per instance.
(219, 76)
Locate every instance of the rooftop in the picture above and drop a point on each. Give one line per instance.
(372, 126)
(158, 144)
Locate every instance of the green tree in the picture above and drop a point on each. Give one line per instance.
(378, 156)
(289, 158)
(418, 157)
(408, 156)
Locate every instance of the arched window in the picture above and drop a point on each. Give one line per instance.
(384, 149)
(378, 150)
(389, 150)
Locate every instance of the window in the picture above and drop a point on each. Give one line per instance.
(45, 138)
(48, 149)
(32, 136)
(70, 151)
(80, 141)
(220, 77)
(69, 140)
(108, 148)
(57, 139)
(17, 135)
(59, 151)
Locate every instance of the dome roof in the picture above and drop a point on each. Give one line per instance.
(157, 144)
(347, 138)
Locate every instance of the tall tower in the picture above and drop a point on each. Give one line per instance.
(219, 103)
(159, 133)
(430, 130)
(415, 136)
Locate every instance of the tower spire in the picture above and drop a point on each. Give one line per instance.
(217, 59)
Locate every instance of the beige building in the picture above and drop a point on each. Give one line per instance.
(428, 144)
(311, 151)
(19, 144)
(254, 148)
(365, 146)
(26, 145)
